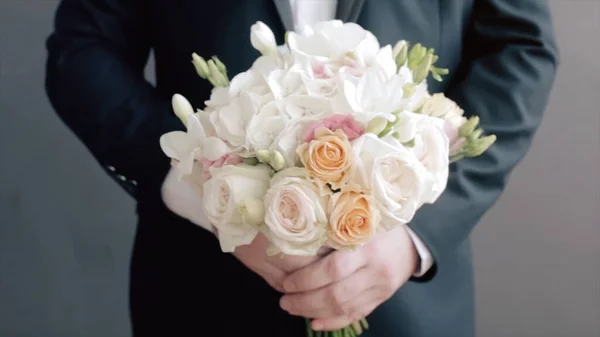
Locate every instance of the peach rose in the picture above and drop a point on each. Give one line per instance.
(353, 219)
(327, 158)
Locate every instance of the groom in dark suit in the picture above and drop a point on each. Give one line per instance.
(503, 60)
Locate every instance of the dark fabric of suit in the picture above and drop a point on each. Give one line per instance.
(503, 60)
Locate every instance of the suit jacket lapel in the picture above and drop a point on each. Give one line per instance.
(285, 14)
(349, 10)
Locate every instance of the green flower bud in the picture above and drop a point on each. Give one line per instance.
(466, 129)
(264, 156)
(277, 162)
(475, 135)
(400, 53)
(415, 55)
(376, 125)
(422, 70)
(200, 65)
(220, 65)
(481, 145)
(216, 77)
(408, 90)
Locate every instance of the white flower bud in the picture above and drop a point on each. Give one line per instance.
(264, 156)
(200, 65)
(263, 39)
(377, 125)
(278, 162)
(182, 108)
(402, 44)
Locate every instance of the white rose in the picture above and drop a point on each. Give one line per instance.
(438, 105)
(295, 215)
(263, 39)
(430, 144)
(392, 175)
(233, 202)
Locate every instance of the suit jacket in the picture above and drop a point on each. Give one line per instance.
(503, 59)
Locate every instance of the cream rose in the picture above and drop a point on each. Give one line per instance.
(327, 157)
(353, 220)
(295, 216)
(430, 144)
(392, 174)
(438, 105)
(233, 202)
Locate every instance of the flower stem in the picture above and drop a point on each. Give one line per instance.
(309, 330)
(354, 330)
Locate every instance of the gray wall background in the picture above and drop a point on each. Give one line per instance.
(66, 229)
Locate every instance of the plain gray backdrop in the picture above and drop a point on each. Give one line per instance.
(66, 229)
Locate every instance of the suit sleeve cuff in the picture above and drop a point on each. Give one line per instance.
(425, 257)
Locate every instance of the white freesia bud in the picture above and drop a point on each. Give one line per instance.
(402, 44)
(182, 108)
(252, 211)
(264, 156)
(200, 65)
(263, 39)
(277, 162)
(377, 125)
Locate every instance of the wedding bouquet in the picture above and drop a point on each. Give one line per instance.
(322, 142)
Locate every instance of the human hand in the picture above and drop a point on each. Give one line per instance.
(272, 269)
(347, 285)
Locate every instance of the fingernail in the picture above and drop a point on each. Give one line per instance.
(284, 304)
(317, 326)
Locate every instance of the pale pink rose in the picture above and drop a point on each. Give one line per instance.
(351, 128)
(228, 159)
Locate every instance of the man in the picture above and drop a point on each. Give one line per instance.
(503, 60)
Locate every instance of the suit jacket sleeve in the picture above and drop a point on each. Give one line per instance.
(95, 82)
(510, 63)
